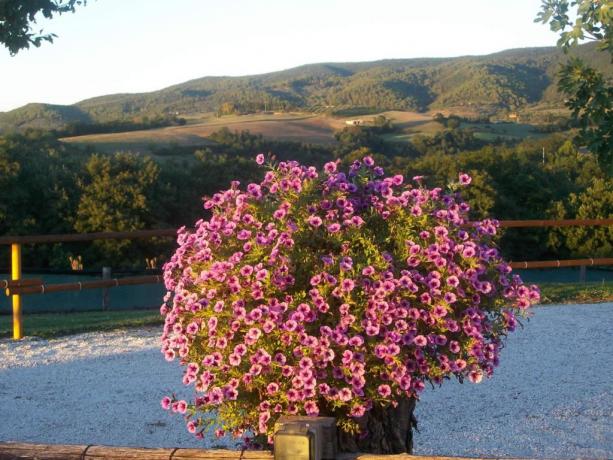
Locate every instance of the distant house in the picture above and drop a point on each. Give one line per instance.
(357, 122)
(514, 116)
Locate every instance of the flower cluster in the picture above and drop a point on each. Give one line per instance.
(332, 292)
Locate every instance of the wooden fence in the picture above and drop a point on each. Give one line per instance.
(23, 451)
(16, 286)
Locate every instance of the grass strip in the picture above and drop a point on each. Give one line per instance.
(48, 325)
(557, 293)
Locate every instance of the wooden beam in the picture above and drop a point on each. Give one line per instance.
(555, 223)
(27, 451)
(18, 450)
(79, 286)
(562, 263)
(73, 237)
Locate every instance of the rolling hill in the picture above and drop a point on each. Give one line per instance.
(508, 80)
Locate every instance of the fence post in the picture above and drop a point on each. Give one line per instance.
(16, 275)
(106, 275)
(582, 273)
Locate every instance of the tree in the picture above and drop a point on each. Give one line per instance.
(596, 202)
(17, 19)
(590, 95)
(116, 195)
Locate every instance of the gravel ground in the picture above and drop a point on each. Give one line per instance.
(551, 397)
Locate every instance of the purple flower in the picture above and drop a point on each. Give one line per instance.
(453, 281)
(384, 390)
(357, 411)
(347, 285)
(465, 179)
(272, 388)
(450, 297)
(259, 159)
(310, 407)
(334, 228)
(314, 221)
(475, 376)
(345, 395)
(368, 271)
(181, 407)
(330, 167)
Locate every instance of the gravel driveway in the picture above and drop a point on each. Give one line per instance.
(552, 395)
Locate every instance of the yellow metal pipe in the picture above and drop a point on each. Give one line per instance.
(16, 275)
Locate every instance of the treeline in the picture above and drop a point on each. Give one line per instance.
(52, 187)
(119, 126)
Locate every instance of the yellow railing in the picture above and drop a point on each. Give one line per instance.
(17, 287)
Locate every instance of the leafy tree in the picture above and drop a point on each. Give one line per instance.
(453, 122)
(116, 195)
(352, 138)
(596, 202)
(17, 19)
(37, 184)
(590, 95)
(447, 141)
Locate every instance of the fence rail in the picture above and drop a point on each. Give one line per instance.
(36, 286)
(169, 232)
(555, 223)
(16, 286)
(562, 263)
(74, 237)
(13, 288)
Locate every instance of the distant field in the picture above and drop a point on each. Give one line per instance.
(300, 127)
(316, 128)
(309, 128)
(503, 130)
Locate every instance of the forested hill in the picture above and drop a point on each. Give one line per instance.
(507, 80)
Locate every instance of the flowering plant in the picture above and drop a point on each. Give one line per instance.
(332, 292)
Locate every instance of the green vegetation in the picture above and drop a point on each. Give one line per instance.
(482, 85)
(556, 293)
(53, 187)
(588, 89)
(17, 21)
(48, 325)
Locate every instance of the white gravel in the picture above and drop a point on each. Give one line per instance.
(552, 396)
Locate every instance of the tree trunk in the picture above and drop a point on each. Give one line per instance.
(387, 430)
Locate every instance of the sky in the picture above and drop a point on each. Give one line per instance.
(127, 46)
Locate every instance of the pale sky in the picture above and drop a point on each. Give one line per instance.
(113, 46)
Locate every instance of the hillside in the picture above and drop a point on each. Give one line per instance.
(508, 80)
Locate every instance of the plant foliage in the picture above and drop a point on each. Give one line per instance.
(331, 293)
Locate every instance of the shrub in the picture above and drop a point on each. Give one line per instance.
(330, 293)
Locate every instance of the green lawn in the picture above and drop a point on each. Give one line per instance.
(576, 292)
(489, 132)
(56, 324)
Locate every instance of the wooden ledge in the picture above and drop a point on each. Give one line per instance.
(27, 451)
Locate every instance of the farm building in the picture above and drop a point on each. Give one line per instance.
(357, 122)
